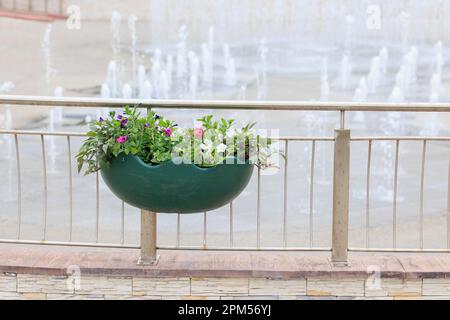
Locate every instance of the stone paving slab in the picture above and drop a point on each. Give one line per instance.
(426, 266)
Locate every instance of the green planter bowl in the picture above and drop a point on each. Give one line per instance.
(175, 188)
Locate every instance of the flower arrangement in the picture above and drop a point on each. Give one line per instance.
(154, 140)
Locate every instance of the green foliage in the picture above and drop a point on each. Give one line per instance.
(144, 137)
(155, 140)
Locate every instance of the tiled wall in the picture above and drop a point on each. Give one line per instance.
(24, 286)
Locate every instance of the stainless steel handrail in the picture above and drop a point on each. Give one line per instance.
(222, 104)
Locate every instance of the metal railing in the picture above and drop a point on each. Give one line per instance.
(342, 142)
(424, 142)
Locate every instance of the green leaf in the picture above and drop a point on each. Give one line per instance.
(91, 134)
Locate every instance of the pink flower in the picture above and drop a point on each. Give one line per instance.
(198, 132)
(122, 139)
(167, 131)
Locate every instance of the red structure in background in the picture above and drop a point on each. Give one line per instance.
(44, 10)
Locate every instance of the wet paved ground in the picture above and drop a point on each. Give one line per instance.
(80, 59)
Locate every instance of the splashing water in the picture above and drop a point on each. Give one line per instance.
(373, 78)
(114, 67)
(438, 62)
(211, 48)
(262, 72)
(164, 85)
(169, 70)
(362, 91)
(349, 21)
(46, 51)
(384, 56)
(207, 67)
(396, 95)
(230, 73)
(116, 20)
(133, 48)
(6, 88)
(181, 62)
(324, 85)
(156, 72)
(112, 79)
(142, 77)
(148, 90)
(105, 93)
(127, 91)
(435, 87)
(59, 92)
(345, 71)
(404, 21)
(193, 86)
(52, 150)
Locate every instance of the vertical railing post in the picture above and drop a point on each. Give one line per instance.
(149, 231)
(341, 175)
(148, 254)
(448, 207)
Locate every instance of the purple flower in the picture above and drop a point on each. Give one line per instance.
(167, 131)
(119, 117)
(122, 139)
(101, 119)
(156, 116)
(146, 125)
(123, 122)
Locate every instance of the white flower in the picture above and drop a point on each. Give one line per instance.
(221, 147)
(206, 145)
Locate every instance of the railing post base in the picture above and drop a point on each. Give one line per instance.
(339, 264)
(148, 256)
(148, 261)
(341, 177)
(448, 207)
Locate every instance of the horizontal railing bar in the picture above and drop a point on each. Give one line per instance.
(289, 138)
(222, 104)
(400, 138)
(293, 138)
(405, 250)
(243, 248)
(81, 134)
(124, 246)
(46, 133)
(70, 244)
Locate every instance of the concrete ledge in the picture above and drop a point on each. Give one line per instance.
(42, 272)
(42, 260)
